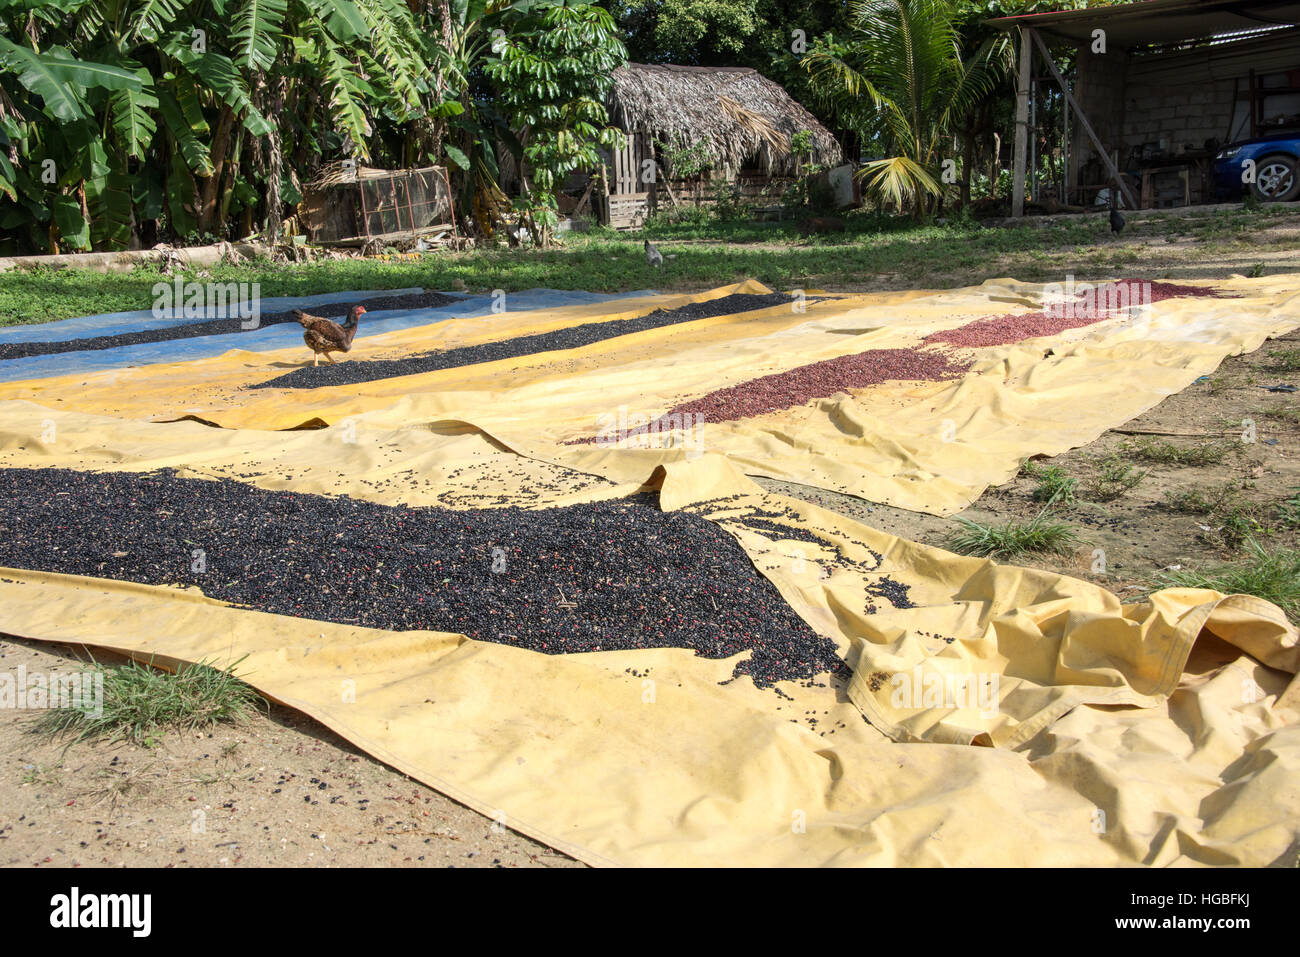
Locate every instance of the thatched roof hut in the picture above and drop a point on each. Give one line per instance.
(736, 112)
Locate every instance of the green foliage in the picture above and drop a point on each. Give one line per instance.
(1288, 511)
(684, 160)
(108, 94)
(1112, 478)
(1013, 538)
(1284, 360)
(727, 205)
(1229, 519)
(684, 30)
(1054, 485)
(899, 79)
(1149, 449)
(141, 703)
(1273, 576)
(552, 69)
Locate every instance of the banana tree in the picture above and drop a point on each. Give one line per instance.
(146, 105)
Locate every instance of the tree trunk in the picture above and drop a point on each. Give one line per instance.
(995, 164)
(207, 211)
(967, 167)
(232, 173)
(275, 169)
(437, 129)
(271, 106)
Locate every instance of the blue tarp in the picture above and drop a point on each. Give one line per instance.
(116, 323)
(280, 336)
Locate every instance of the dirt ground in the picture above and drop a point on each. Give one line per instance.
(280, 790)
(283, 790)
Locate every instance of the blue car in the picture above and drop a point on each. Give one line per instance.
(1277, 167)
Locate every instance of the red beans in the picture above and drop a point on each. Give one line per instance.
(818, 380)
(1093, 305)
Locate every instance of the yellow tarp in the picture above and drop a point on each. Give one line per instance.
(930, 447)
(1159, 733)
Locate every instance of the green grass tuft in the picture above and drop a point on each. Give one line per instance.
(141, 703)
(1274, 576)
(1284, 413)
(1112, 479)
(1167, 453)
(1284, 360)
(1054, 485)
(1013, 538)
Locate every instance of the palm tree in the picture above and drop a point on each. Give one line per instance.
(900, 75)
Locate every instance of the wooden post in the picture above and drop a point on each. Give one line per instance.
(451, 207)
(1021, 148)
(365, 215)
(1111, 166)
(1254, 105)
(410, 210)
(667, 184)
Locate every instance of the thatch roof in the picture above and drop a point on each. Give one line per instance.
(736, 112)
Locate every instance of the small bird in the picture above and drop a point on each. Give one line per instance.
(1116, 220)
(324, 336)
(653, 257)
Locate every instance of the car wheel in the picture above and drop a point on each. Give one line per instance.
(1277, 179)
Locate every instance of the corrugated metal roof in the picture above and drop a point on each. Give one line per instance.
(1159, 21)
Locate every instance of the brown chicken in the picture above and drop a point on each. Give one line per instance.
(324, 336)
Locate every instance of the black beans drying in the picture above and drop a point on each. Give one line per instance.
(602, 576)
(354, 371)
(219, 327)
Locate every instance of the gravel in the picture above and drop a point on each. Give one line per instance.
(350, 373)
(603, 576)
(218, 327)
(1008, 329)
(802, 384)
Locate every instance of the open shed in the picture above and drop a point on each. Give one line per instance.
(1158, 87)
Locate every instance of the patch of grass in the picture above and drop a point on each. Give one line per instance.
(1284, 360)
(1054, 485)
(1255, 271)
(1237, 525)
(1202, 501)
(1013, 538)
(1284, 413)
(1113, 477)
(1288, 511)
(141, 703)
(1274, 576)
(1150, 449)
(709, 252)
(40, 774)
(1234, 519)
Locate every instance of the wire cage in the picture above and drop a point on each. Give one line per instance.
(349, 205)
(404, 202)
